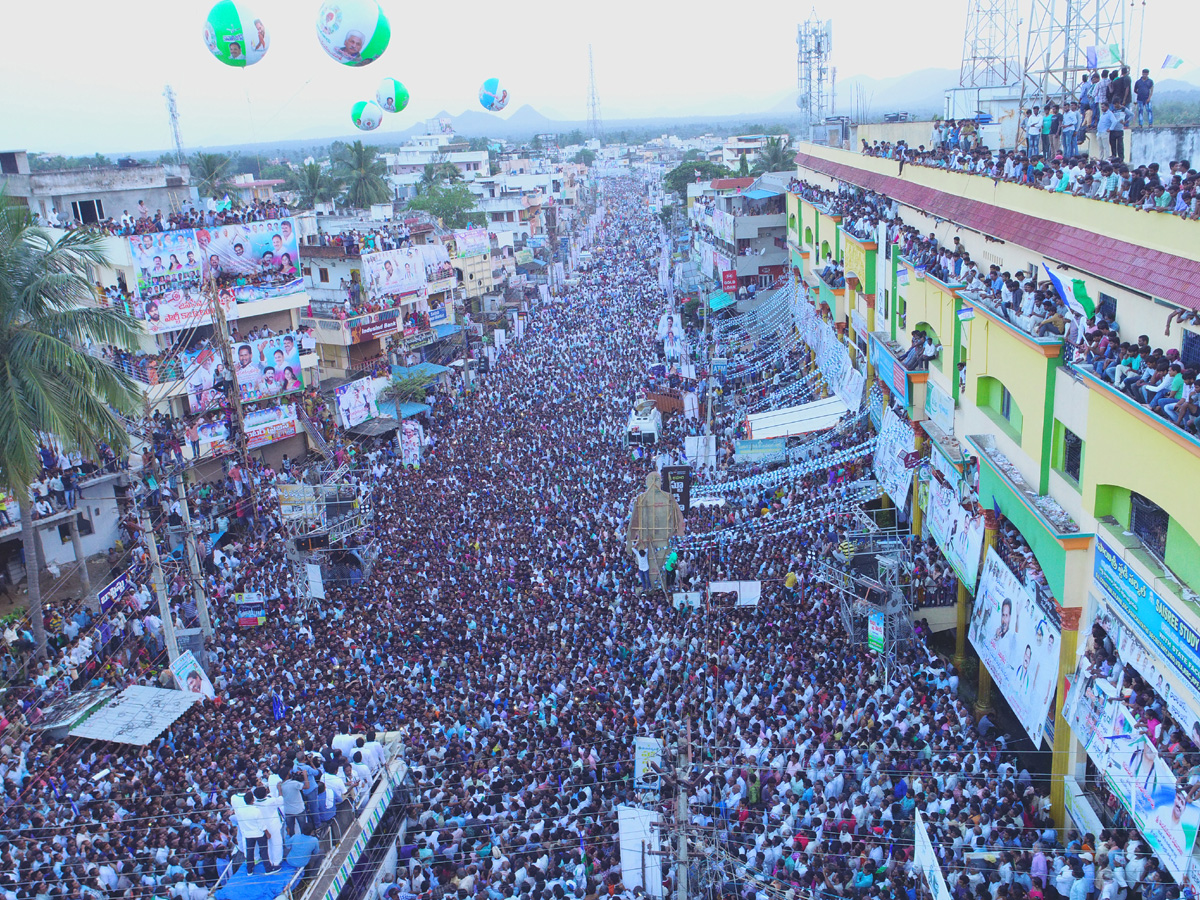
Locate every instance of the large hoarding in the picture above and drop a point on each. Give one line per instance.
(958, 532)
(254, 260)
(1018, 641)
(268, 367)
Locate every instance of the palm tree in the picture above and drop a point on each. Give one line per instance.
(49, 387)
(315, 185)
(776, 155)
(363, 171)
(211, 171)
(438, 171)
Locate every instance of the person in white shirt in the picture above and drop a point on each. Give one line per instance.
(253, 829)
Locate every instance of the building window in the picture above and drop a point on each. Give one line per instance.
(1107, 307)
(306, 271)
(324, 275)
(85, 528)
(89, 212)
(1149, 522)
(1006, 404)
(1000, 406)
(1070, 462)
(8, 164)
(1189, 353)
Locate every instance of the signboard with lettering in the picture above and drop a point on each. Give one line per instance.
(729, 280)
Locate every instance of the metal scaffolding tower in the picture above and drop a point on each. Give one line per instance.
(173, 113)
(595, 125)
(814, 77)
(1067, 39)
(991, 55)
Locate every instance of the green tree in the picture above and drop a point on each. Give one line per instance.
(692, 154)
(406, 388)
(686, 173)
(574, 136)
(585, 156)
(743, 165)
(454, 204)
(315, 185)
(363, 171)
(536, 143)
(211, 172)
(47, 385)
(776, 155)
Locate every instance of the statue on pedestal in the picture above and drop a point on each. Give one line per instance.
(655, 519)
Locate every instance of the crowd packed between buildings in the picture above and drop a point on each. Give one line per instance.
(503, 636)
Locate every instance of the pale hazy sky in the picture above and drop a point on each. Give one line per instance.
(82, 76)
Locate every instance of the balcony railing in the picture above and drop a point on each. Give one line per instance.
(906, 385)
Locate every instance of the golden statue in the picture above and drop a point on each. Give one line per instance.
(655, 519)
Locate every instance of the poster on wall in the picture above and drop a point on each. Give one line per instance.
(412, 438)
(255, 260)
(957, 532)
(1018, 641)
(895, 442)
(394, 273)
(356, 402)
(166, 261)
(471, 242)
(206, 379)
(262, 427)
(268, 367)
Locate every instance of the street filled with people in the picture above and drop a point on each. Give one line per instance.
(504, 644)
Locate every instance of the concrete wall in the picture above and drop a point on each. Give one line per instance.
(1161, 145)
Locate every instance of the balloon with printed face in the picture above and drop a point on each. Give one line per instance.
(366, 114)
(392, 96)
(234, 35)
(353, 32)
(492, 97)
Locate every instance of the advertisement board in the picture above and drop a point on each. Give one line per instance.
(896, 441)
(471, 242)
(297, 501)
(647, 756)
(115, 590)
(256, 260)
(356, 402)
(957, 532)
(374, 325)
(190, 677)
(394, 273)
(205, 379)
(677, 481)
(729, 281)
(412, 438)
(1018, 641)
(722, 226)
(927, 862)
(939, 407)
(262, 427)
(268, 367)
(166, 261)
(251, 610)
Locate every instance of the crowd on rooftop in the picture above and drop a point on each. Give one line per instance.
(503, 639)
(142, 221)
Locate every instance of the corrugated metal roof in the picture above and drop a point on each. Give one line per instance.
(1153, 272)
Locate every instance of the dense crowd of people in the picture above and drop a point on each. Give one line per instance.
(141, 220)
(504, 640)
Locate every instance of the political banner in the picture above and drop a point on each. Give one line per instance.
(256, 259)
(394, 273)
(375, 325)
(875, 631)
(850, 389)
(677, 481)
(895, 442)
(647, 756)
(356, 402)
(1018, 641)
(266, 426)
(926, 860)
(471, 242)
(115, 590)
(297, 501)
(179, 308)
(190, 677)
(166, 261)
(205, 377)
(722, 226)
(251, 609)
(214, 438)
(268, 367)
(957, 532)
(411, 437)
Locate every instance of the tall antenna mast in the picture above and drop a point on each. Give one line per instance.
(173, 113)
(990, 55)
(1066, 40)
(814, 78)
(595, 126)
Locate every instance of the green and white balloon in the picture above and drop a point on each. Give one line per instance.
(392, 96)
(234, 35)
(353, 32)
(366, 114)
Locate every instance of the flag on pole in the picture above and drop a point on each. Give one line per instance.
(1172, 61)
(1077, 298)
(1114, 55)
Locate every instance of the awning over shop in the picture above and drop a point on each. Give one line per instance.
(408, 410)
(420, 370)
(760, 194)
(719, 301)
(446, 329)
(374, 427)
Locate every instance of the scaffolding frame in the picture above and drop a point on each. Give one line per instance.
(814, 77)
(1057, 41)
(991, 45)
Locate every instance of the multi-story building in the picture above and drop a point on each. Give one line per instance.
(1061, 503)
(406, 166)
(90, 195)
(739, 229)
(741, 146)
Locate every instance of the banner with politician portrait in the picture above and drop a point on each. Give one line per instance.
(394, 273)
(166, 261)
(268, 367)
(255, 260)
(895, 443)
(958, 533)
(205, 377)
(1018, 641)
(356, 402)
(190, 677)
(471, 242)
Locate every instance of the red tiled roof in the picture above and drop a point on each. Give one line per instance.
(731, 184)
(1153, 272)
